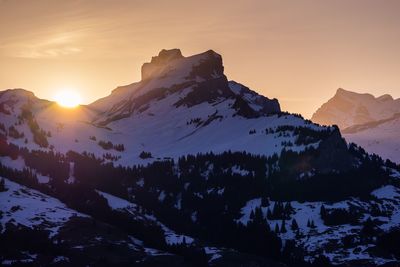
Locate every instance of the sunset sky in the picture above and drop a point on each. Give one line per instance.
(297, 51)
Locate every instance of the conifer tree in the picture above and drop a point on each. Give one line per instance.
(2, 185)
(269, 214)
(275, 210)
(323, 212)
(258, 216)
(283, 227)
(276, 228)
(288, 208)
(294, 226)
(368, 228)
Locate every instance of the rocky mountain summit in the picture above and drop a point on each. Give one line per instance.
(189, 80)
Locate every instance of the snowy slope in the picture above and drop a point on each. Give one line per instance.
(380, 137)
(28, 207)
(23, 206)
(123, 205)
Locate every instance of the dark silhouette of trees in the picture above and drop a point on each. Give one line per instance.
(107, 145)
(145, 155)
(2, 185)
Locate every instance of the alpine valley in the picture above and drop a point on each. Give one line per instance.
(187, 168)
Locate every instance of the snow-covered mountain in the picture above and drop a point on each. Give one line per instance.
(175, 81)
(182, 105)
(187, 168)
(372, 122)
(348, 108)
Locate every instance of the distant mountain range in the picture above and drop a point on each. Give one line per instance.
(187, 168)
(372, 122)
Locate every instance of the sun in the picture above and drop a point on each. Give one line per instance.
(68, 98)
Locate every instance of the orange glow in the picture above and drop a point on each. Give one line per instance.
(68, 98)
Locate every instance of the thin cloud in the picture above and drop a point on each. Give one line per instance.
(48, 53)
(55, 46)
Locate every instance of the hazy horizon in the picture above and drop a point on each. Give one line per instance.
(298, 52)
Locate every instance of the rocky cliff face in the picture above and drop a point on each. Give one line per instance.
(160, 64)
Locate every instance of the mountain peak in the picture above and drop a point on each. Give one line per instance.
(341, 91)
(160, 62)
(174, 52)
(345, 93)
(167, 55)
(172, 81)
(207, 65)
(171, 62)
(385, 97)
(19, 92)
(16, 95)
